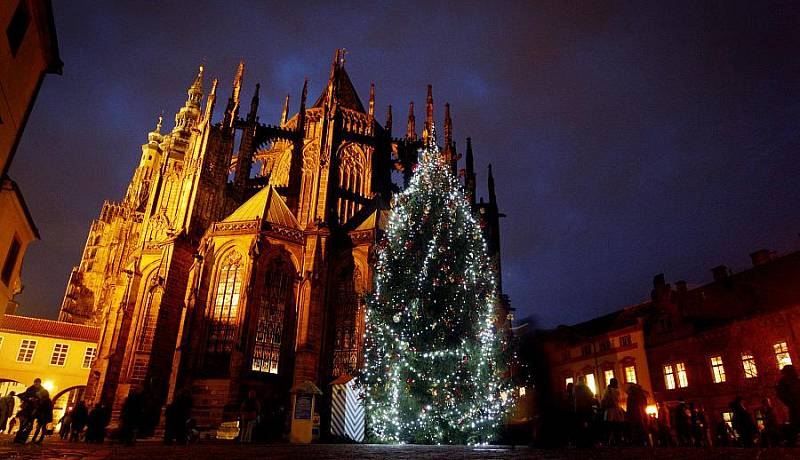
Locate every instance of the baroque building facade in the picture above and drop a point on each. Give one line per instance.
(232, 268)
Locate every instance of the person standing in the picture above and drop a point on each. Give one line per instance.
(248, 416)
(788, 390)
(6, 411)
(80, 417)
(65, 424)
(637, 415)
(613, 414)
(130, 417)
(771, 435)
(743, 422)
(43, 416)
(664, 426)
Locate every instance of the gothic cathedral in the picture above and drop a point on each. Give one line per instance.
(225, 270)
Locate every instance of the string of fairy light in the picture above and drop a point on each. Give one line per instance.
(432, 349)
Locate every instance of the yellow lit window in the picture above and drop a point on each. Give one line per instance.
(717, 369)
(88, 357)
(522, 391)
(669, 377)
(608, 375)
(680, 369)
(568, 380)
(59, 356)
(26, 349)
(591, 383)
(749, 365)
(630, 374)
(782, 354)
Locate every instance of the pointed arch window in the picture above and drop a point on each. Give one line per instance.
(148, 324)
(273, 305)
(225, 308)
(346, 331)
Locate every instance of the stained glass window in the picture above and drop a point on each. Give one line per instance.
(273, 304)
(226, 305)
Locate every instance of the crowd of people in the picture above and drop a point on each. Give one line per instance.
(35, 415)
(621, 418)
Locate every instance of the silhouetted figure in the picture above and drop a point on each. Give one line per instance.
(80, 417)
(724, 434)
(637, 414)
(788, 390)
(584, 413)
(613, 414)
(65, 424)
(6, 410)
(27, 413)
(664, 433)
(43, 416)
(176, 416)
(703, 429)
(130, 417)
(683, 424)
(771, 436)
(99, 418)
(743, 422)
(248, 415)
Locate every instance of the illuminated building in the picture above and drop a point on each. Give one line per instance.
(61, 354)
(28, 51)
(231, 267)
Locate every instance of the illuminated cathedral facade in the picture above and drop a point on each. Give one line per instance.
(241, 253)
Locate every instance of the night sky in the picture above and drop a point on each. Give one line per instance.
(626, 139)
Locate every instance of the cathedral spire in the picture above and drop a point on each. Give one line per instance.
(232, 110)
(372, 100)
(211, 101)
(251, 116)
(469, 173)
(388, 125)
(285, 113)
(492, 195)
(448, 128)
(189, 114)
(428, 114)
(411, 127)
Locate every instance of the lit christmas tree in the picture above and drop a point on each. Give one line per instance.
(434, 356)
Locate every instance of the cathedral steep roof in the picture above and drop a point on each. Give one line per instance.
(266, 205)
(346, 93)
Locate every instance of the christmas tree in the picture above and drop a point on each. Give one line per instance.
(434, 354)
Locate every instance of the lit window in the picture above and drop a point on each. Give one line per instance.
(591, 383)
(608, 374)
(680, 369)
(717, 369)
(88, 357)
(727, 417)
(26, 349)
(59, 356)
(749, 364)
(625, 340)
(630, 374)
(224, 313)
(782, 354)
(669, 377)
(568, 380)
(522, 391)
(272, 306)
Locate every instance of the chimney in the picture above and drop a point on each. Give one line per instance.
(762, 256)
(720, 272)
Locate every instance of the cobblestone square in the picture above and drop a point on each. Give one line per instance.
(216, 450)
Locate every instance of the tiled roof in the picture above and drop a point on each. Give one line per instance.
(49, 328)
(267, 202)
